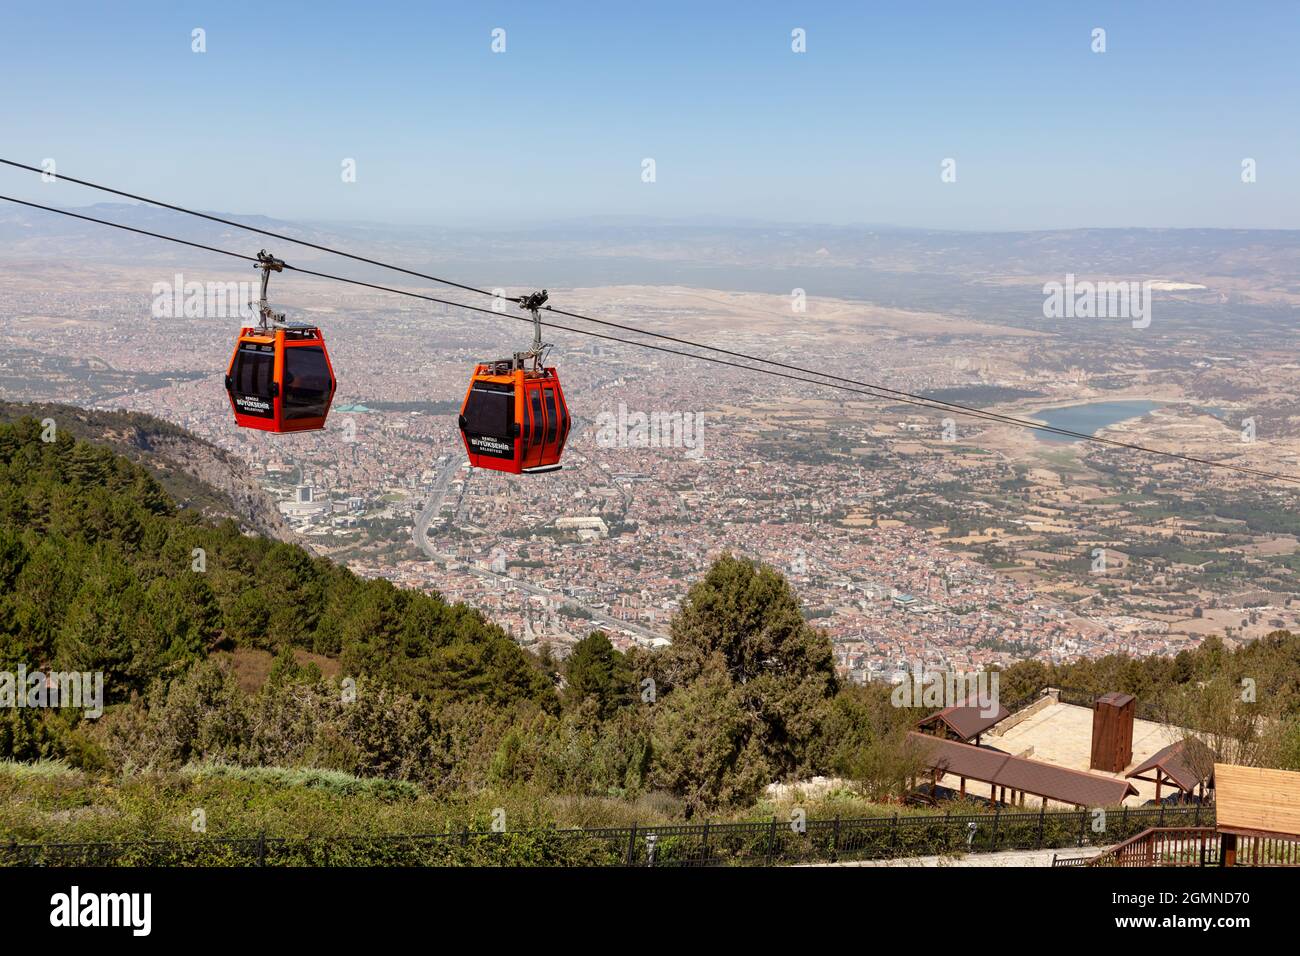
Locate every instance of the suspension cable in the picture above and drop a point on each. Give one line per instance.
(837, 382)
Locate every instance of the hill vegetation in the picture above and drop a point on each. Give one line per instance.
(196, 474)
(101, 571)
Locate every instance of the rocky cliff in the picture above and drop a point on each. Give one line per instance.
(196, 473)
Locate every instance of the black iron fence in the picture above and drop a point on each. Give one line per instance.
(772, 842)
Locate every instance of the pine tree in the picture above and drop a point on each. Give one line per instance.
(743, 623)
(596, 671)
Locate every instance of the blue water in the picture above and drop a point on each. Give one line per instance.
(1091, 417)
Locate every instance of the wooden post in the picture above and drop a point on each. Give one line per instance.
(1228, 842)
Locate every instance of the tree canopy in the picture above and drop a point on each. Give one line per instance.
(98, 572)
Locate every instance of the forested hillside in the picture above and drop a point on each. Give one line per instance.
(197, 474)
(100, 571)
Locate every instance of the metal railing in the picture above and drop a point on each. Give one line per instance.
(771, 842)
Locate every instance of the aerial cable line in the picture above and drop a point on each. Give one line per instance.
(837, 382)
(880, 391)
(901, 395)
(461, 305)
(239, 225)
(953, 406)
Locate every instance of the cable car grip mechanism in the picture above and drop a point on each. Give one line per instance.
(534, 302)
(268, 264)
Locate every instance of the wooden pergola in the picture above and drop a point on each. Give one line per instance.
(1010, 778)
(963, 722)
(1174, 767)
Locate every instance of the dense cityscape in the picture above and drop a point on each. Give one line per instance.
(910, 537)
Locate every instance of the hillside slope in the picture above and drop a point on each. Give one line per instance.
(196, 473)
(100, 571)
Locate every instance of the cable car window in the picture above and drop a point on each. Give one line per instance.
(537, 416)
(306, 382)
(254, 372)
(551, 420)
(490, 411)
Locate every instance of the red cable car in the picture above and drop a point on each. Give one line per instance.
(280, 378)
(514, 418)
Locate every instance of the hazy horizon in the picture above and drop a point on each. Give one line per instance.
(617, 220)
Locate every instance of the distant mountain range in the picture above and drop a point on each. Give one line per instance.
(984, 274)
(749, 242)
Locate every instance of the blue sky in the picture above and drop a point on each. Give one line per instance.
(1045, 133)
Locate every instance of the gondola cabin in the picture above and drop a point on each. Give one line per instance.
(280, 379)
(514, 419)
